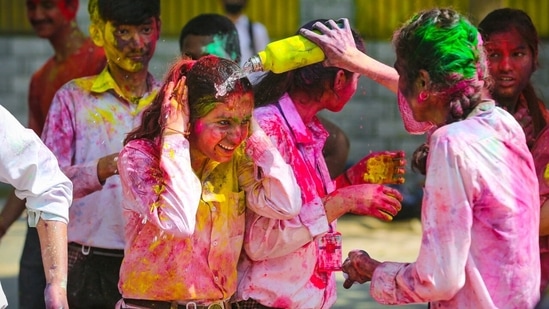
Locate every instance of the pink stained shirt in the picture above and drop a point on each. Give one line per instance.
(278, 268)
(184, 230)
(540, 152)
(89, 119)
(480, 218)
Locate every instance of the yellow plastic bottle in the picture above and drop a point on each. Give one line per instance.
(285, 55)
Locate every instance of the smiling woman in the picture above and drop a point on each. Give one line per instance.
(188, 172)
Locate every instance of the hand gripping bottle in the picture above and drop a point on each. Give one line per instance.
(285, 55)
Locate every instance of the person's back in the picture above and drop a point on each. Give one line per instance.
(489, 153)
(75, 55)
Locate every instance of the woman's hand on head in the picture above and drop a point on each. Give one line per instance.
(176, 107)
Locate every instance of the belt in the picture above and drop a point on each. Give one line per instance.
(156, 304)
(86, 250)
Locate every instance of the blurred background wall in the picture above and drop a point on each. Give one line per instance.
(371, 119)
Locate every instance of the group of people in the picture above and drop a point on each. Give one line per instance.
(186, 195)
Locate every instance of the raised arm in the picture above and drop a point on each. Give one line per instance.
(340, 51)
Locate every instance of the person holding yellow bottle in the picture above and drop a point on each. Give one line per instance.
(292, 263)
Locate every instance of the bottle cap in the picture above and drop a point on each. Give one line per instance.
(254, 64)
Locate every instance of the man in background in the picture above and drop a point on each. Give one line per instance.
(88, 120)
(253, 35)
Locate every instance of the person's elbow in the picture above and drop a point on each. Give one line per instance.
(446, 288)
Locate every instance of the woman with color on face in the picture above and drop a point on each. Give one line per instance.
(480, 210)
(511, 42)
(188, 173)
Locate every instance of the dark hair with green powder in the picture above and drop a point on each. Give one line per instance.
(447, 46)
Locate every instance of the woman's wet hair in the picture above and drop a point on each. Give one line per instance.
(203, 77)
(310, 79)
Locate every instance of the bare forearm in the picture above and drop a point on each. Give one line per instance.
(53, 243)
(377, 71)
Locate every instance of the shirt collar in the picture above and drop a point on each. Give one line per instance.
(104, 82)
(304, 133)
(483, 107)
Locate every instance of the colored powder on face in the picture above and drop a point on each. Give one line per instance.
(66, 11)
(217, 47)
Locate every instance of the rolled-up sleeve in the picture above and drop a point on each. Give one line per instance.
(273, 191)
(160, 185)
(32, 169)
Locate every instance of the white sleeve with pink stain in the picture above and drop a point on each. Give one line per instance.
(275, 192)
(160, 185)
(59, 134)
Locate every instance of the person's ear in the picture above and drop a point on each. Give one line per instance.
(96, 34)
(423, 80)
(159, 26)
(340, 80)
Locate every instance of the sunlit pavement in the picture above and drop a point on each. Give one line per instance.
(396, 241)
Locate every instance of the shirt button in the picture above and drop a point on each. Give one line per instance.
(216, 278)
(214, 208)
(215, 243)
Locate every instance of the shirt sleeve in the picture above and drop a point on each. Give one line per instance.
(59, 134)
(439, 272)
(32, 169)
(159, 184)
(271, 190)
(266, 237)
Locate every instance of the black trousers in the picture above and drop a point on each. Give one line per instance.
(93, 278)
